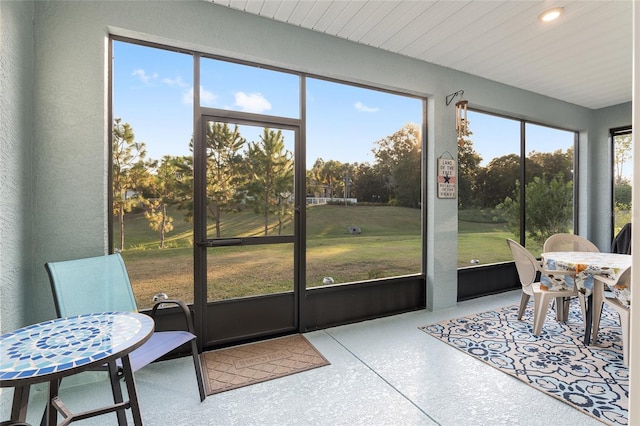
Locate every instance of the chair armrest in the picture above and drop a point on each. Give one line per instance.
(185, 310)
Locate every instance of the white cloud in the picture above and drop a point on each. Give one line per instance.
(207, 98)
(362, 107)
(174, 82)
(187, 97)
(143, 76)
(253, 102)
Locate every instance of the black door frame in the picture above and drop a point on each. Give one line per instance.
(265, 315)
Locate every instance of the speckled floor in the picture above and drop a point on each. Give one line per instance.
(382, 372)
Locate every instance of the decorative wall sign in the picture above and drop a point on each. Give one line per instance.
(447, 177)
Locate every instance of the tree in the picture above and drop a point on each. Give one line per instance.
(224, 163)
(499, 177)
(269, 167)
(407, 174)
(549, 208)
(331, 177)
(368, 184)
(184, 185)
(163, 188)
(550, 164)
(346, 172)
(127, 171)
(622, 195)
(315, 187)
(497, 180)
(468, 165)
(393, 155)
(622, 152)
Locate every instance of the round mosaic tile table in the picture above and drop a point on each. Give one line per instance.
(51, 350)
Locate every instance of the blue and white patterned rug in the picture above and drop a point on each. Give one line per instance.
(592, 379)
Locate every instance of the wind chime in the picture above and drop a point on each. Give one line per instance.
(462, 124)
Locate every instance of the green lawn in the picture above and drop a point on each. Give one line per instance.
(482, 241)
(389, 245)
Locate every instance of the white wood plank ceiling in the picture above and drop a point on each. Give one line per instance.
(584, 57)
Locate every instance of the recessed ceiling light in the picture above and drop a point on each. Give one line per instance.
(551, 14)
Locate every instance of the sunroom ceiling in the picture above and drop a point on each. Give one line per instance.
(584, 57)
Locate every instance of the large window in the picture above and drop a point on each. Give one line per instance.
(501, 196)
(364, 164)
(363, 175)
(549, 180)
(152, 189)
(622, 177)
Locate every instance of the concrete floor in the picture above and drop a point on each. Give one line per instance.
(382, 372)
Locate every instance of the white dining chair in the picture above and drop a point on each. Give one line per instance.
(568, 242)
(601, 296)
(528, 268)
(571, 242)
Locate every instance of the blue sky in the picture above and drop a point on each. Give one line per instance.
(497, 136)
(153, 91)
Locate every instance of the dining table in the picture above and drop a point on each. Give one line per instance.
(53, 349)
(581, 267)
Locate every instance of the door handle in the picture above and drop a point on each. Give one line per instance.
(221, 242)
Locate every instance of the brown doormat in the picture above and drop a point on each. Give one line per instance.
(232, 368)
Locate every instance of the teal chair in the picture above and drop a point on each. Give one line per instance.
(101, 284)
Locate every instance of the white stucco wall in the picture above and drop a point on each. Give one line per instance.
(16, 114)
(70, 104)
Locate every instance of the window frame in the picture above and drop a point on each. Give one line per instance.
(302, 96)
(613, 132)
(522, 168)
